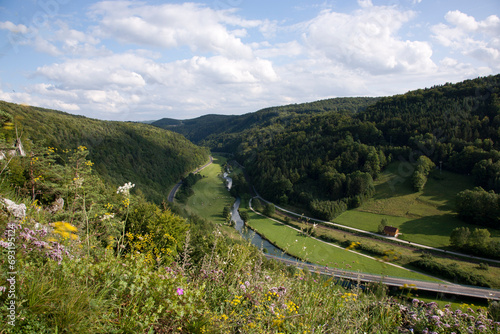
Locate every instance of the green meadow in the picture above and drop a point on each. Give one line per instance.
(315, 251)
(210, 195)
(425, 217)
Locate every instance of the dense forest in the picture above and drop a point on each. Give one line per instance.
(209, 129)
(152, 158)
(325, 155)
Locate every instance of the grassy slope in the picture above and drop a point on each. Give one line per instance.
(426, 217)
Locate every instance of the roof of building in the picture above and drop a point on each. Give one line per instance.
(391, 229)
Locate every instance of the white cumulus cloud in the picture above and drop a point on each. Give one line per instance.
(200, 28)
(479, 40)
(368, 39)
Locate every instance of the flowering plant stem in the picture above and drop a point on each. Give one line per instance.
(122, 238)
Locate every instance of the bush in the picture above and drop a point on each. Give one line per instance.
(451, 271)
(269, 209)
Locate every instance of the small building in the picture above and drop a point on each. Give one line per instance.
(391, 231)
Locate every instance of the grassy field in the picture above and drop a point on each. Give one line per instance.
(315, 251)
(425, 217)
(210, 195)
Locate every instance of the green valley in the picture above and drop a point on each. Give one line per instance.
(89, 243)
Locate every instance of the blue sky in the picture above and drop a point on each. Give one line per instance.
(145, 60)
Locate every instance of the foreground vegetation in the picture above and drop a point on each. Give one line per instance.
(111, 262)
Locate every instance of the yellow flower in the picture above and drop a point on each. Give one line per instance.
(65, 230)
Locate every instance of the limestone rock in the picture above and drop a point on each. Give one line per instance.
(57, 205)
(17, 210)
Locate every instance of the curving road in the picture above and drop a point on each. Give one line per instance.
(447, 288)
(337, 246)
(172, 193)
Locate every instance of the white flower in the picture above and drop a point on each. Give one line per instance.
(125, 188)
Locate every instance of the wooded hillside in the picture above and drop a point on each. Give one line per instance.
(148, 156)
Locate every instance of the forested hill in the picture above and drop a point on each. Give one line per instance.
(453, 123)
(122, 152)
(326, 161)
(207, 129)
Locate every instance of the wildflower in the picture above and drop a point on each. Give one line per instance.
(125, 189)
(65, 230)
(2, 288)
(180, 291)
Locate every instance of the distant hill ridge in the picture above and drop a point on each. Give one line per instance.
(200, 128)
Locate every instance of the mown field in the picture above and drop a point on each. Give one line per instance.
(300, 245)
(210, 195)
(425, 217)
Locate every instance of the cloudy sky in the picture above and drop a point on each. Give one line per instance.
(145, 60)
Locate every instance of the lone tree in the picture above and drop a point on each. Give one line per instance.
(383, 224)
(226, 213)
(269, 209)
(459, 237)
(244, 216)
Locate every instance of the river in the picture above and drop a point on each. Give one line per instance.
(256, 239)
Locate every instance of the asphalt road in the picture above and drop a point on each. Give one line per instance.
(172, 193)
(446, 288)
(415, 285)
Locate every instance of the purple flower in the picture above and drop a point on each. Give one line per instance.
(180, 291)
